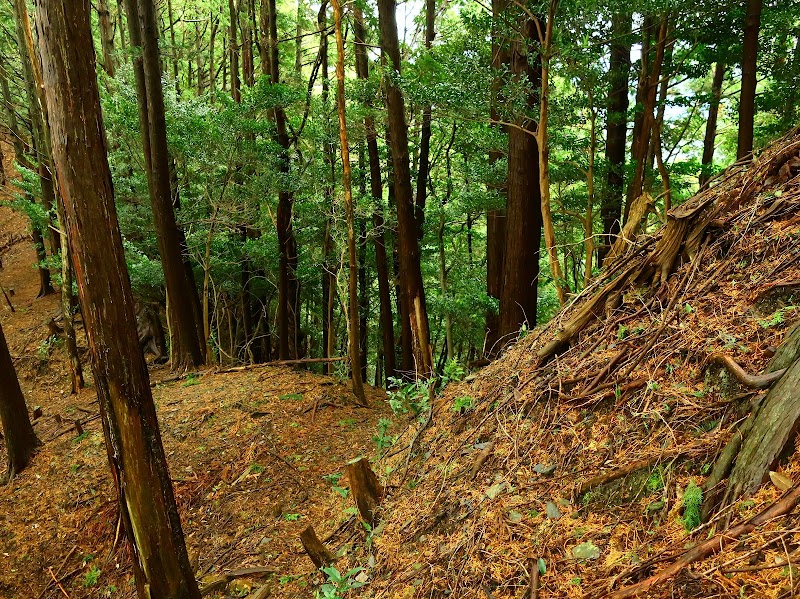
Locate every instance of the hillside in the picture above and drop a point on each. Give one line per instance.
(622, 388)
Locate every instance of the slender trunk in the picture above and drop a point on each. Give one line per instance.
(448, 318)
(248, 66)
(120, 12)
(747, 109)
(788, 115)
(186, 348)
(298, 45)
(425, 134)
(409, 251)
(363, 295)
(588, 221)
(354, 320)
(20, 439)
(175, 65)
(376, 190)
(67, 308)
(616, 130)
(136, 455)
(233, 46)
(212, 73)
(543, 140)
(711, 124)
(106, 36)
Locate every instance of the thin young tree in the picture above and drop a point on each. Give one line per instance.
(353, 316)
(133, 441)
(711, 124)
(20, 438)
(408, 243)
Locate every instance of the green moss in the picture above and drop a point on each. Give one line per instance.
(692, 502)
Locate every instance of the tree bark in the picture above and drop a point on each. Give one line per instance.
(747, 108)
(186, 347)
(354, 319)
(711, 124)
(616, 130)
(233, 46)
(519, 293)
(136, 455)
(408, 243)
(376, 190)
(106, 36)
(20, 439)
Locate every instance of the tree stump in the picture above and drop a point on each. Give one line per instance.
(366, 489)
(315, 549)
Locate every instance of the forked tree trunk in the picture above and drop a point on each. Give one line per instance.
(408, 243)
(376, 190)
(747, 108)
(354, 321)
(711, 124)
(136, 455)
(20, 439)
(616, 130)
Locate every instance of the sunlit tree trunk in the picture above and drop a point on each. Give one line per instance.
(136, 455)
(106, 36)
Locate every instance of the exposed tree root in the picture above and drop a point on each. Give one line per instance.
(751, 381)
(715, 544)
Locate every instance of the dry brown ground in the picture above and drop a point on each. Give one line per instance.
(247, 451)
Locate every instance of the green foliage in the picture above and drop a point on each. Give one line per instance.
(692, 504)
(414, 397)
(91, 577)
(338, 584)
(462, 403)
(382, 440)
(777, 317)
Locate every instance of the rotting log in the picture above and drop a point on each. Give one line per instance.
(315, 548)
(713, 545)
(365, 487)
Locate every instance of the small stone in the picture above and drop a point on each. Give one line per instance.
(587, 550)
(552, 511)
(544, 470)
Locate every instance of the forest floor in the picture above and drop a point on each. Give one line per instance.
(255, 457)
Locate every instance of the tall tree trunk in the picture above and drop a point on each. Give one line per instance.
(233, 46)
(409, 251)
(789, 113)
(298, 45)
(519, 293)
(616, 130)
(248, 66)
(186, 347)
(20, 439)
(147, 503)
(543, 139)
(212, 65)
(747, 100)
(376, 190)
(496, 218)
(120, 12)
(68, 308)
(711, 124)
(288, 290)
(425, 134)
(354, 320)
(106, 36)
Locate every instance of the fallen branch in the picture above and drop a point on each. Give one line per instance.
(715, 544)
(481, 460)
(751, 381)
(608, 477)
